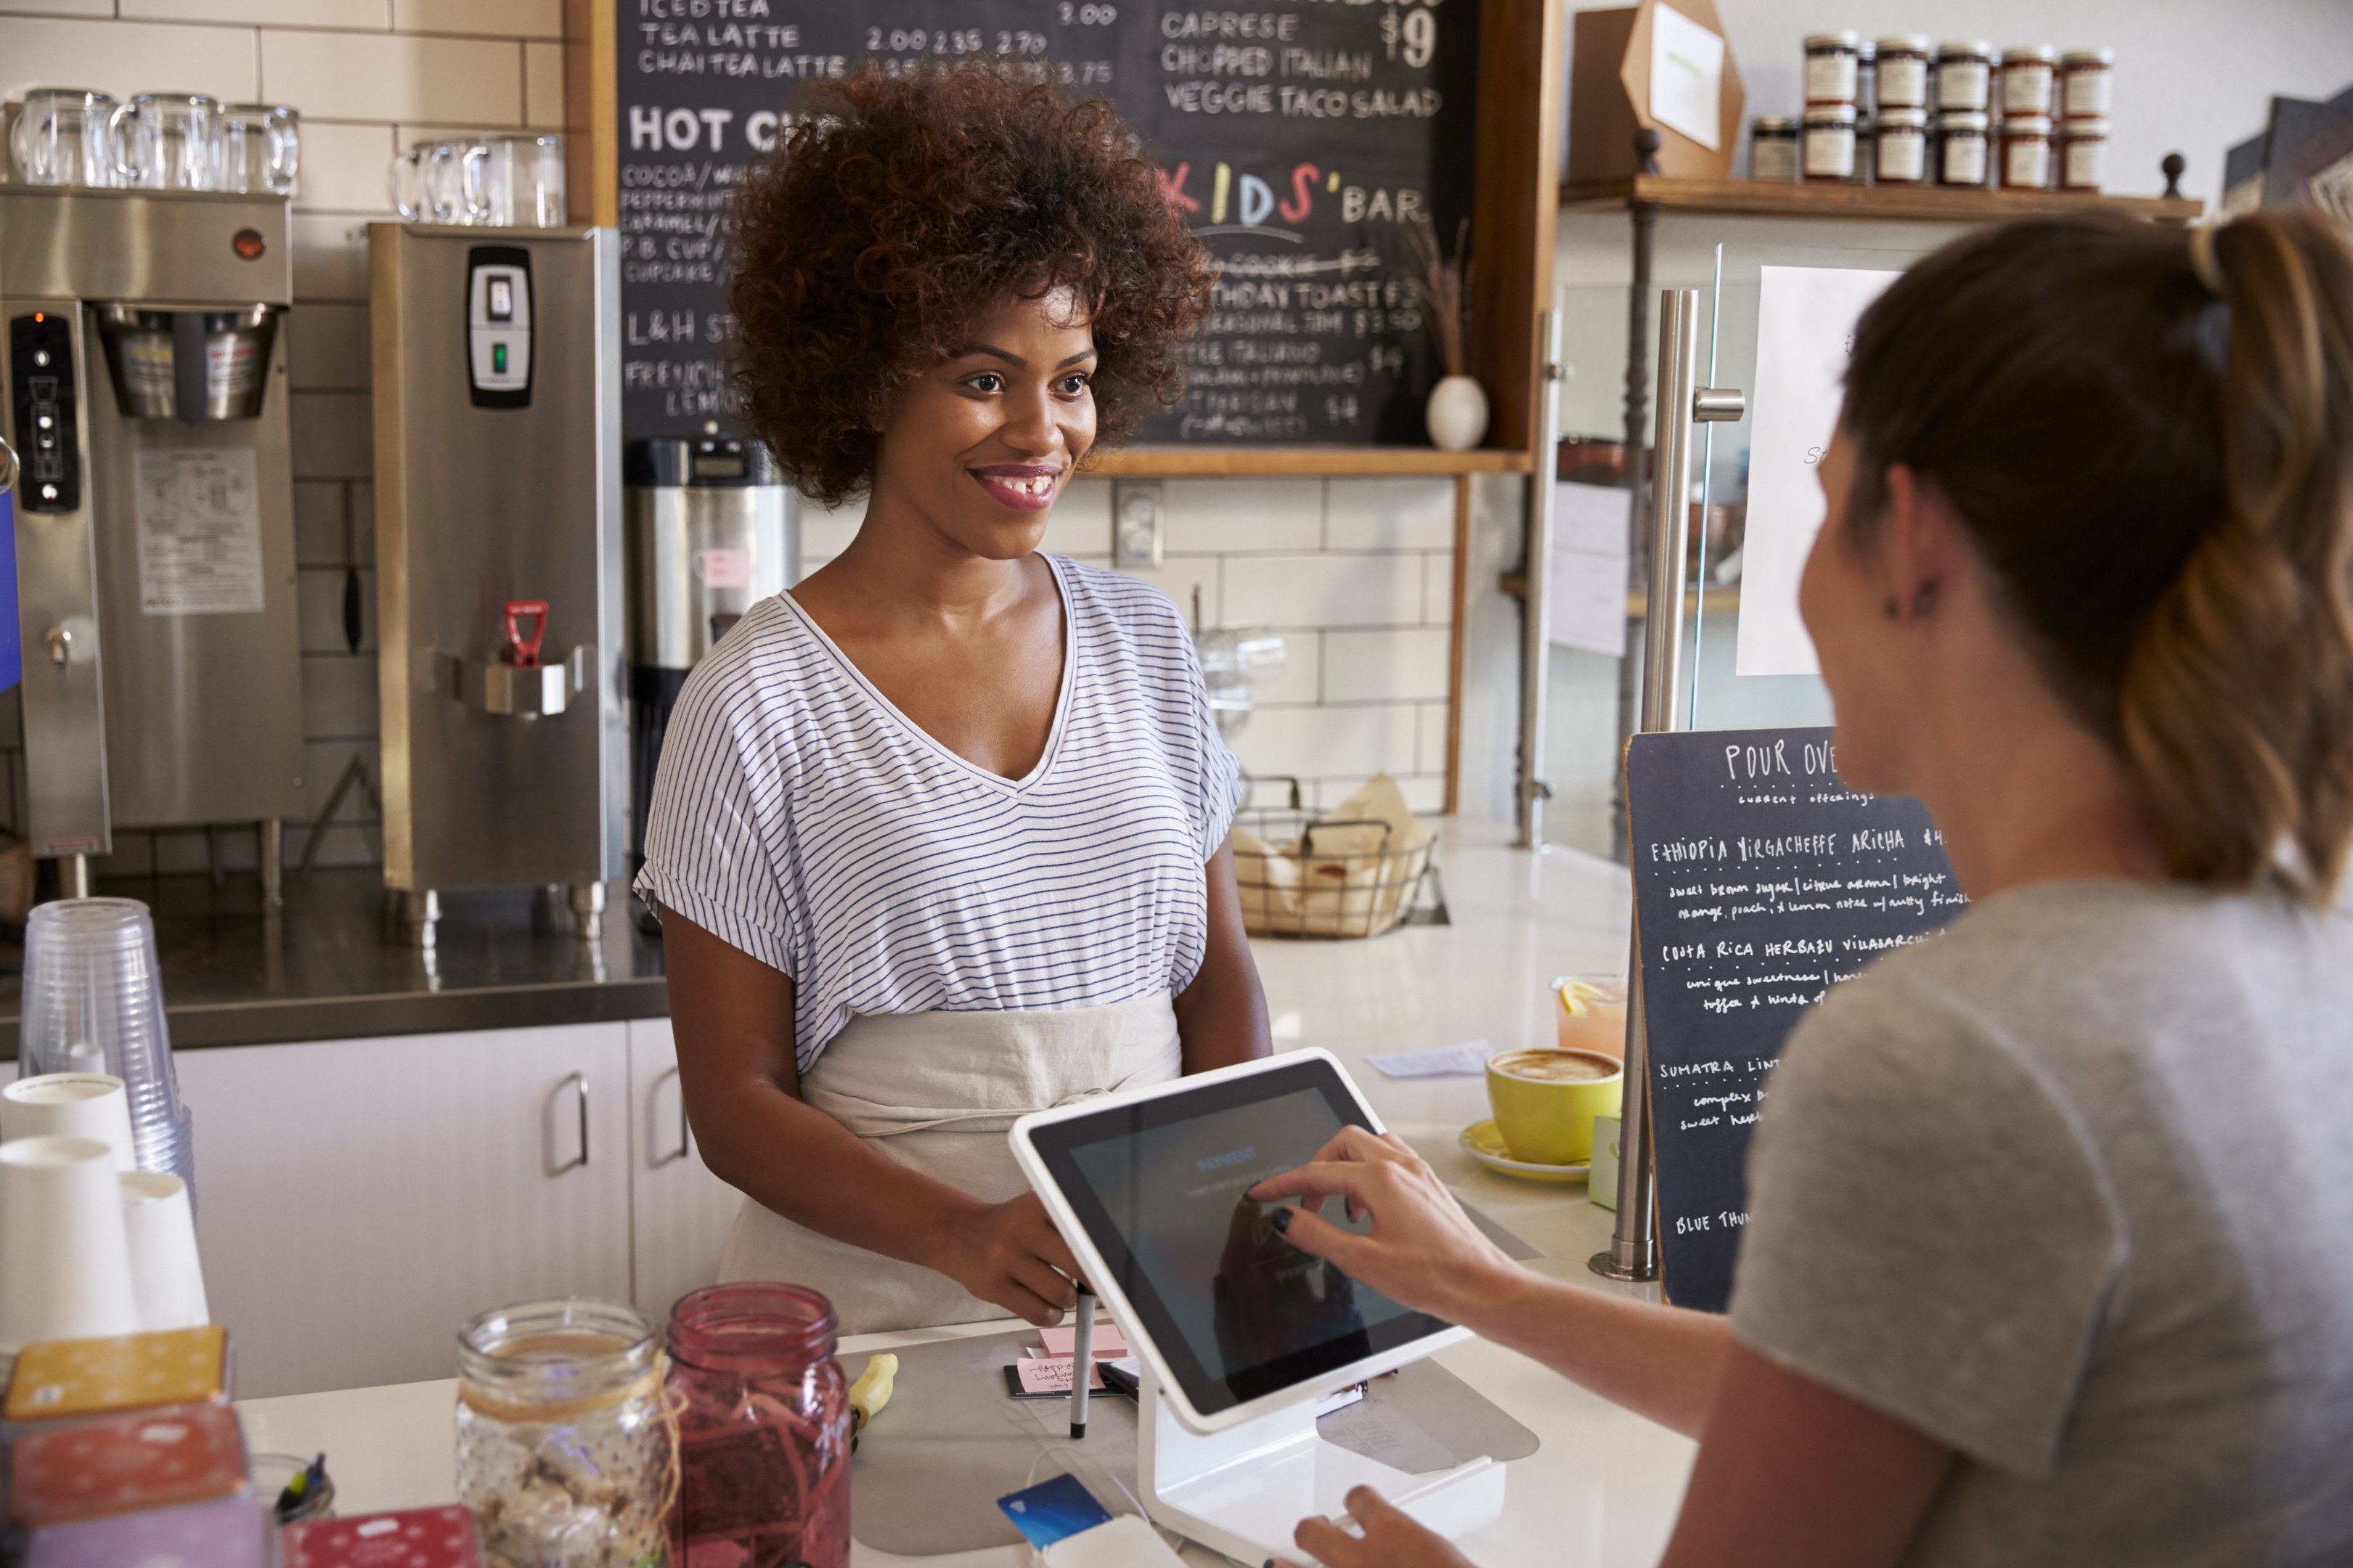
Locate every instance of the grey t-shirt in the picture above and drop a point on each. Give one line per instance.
(2070, 1187)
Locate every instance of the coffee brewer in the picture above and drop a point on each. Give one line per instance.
(498, 472)
(712, 530)
(145, 387)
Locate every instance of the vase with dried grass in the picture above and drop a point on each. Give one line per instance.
(1456, 414)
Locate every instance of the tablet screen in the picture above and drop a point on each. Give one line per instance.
(1161, 1187)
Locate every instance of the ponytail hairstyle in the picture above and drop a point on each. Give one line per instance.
(2149, 437)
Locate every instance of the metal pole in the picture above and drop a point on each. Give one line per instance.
(1536, 621)
(1634, 1240)
(1645, 218)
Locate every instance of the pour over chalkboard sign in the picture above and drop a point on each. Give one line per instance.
(1296, 138)
(1760, 881)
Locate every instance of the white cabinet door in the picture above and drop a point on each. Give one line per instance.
(681, 1211)
(360, 1199)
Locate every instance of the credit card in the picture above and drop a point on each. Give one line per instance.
(1053, 1510)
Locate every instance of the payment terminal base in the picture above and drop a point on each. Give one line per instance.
(1244, 1489)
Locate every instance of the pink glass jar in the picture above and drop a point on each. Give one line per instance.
(763, 1430)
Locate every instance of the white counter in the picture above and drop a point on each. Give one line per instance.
(1603, 1487)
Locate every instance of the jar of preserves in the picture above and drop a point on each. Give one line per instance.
(565, 1443)
(2084, 155)
(1961, 149)
(1831, 62)
(1903, 137)
(2025, 151)
(2027, 75)
(1903, 80)
(1828, 148)
(764, 1428)
(2085, 77)
(1773, 149)
(1965, 75)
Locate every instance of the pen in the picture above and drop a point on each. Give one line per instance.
(1083, 1360)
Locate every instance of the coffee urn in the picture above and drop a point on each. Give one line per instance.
(711, 530)
(145, 393)
(498, 472)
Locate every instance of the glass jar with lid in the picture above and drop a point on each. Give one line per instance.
(1828, 145)
(2083, 154)
(764, 1428)
(1773, 149)
(1831, 62)
(2025, 151)
(564, 1448)
(2027, 76)
(1961, 149)
(1902, 72)
(1965, 75)
(2085, 79)
(1903, 141)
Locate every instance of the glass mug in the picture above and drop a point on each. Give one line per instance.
(520, 184)
(60, 138)
(167, 142)
(444, 174)
(261, 149)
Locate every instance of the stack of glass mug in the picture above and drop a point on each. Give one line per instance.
(499, 182)
(155, 142)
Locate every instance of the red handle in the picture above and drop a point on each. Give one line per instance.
(521, 650)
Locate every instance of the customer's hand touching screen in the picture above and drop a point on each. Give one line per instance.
(1422, 1249)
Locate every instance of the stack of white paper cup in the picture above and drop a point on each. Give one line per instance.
(93, 1003)
(70, 1105)
(166, 1279)
(64, 1254)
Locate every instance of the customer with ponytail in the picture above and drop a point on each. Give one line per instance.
(2050, 1250)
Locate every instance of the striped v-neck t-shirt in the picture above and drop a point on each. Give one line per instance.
(800, 818)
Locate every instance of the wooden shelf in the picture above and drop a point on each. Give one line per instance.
(1936, 203)
(1177, 462)
(1724, 600)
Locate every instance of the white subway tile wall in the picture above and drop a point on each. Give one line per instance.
(1355, 575)
(366, 75)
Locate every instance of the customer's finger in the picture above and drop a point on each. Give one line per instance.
(1047, 1283)
(1312, 1233)
(1331, 1546)
(1349, 1178)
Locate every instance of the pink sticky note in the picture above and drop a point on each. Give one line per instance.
(725, 568)
(1043, 1376)
(1063, 1341)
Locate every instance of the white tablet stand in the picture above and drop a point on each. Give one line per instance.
(1244, 1489)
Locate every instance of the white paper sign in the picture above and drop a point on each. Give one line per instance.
(1686, 76)
(199, 531)
(1805, 334)
(1587, 608)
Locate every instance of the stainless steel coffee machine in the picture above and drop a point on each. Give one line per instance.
(145, 387)
(497, 475)
(711, 530)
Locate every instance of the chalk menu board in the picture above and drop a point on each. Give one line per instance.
(1296, 135)
(1760, 881)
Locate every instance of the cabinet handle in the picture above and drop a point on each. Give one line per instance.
(685, 1133)
(578, 1081)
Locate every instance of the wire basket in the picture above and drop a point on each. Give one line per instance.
(1326, 877)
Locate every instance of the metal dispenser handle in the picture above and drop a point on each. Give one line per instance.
(1634, 1241)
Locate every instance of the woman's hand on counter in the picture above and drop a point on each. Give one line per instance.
(1422, 1249)
(1010, 1254)
(1390, 1539)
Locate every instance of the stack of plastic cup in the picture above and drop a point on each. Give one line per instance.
(94, 1003)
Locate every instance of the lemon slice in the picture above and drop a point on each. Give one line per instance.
(1577, 997)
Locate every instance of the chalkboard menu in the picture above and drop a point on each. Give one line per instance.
(1296, 136)
(1760, 881)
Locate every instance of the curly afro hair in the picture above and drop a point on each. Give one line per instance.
(899, 209)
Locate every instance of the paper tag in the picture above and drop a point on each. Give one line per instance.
(723, 568)
(1052, 1376)
(1469, 1056)
(1065, 1341)
(199, 512)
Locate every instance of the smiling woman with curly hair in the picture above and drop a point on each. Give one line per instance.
(940, 836)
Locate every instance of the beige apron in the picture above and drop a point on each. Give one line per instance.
(937, 1092)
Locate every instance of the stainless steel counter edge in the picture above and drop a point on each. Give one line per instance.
(298, 1020)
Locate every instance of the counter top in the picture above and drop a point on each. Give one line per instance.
(1604, 1487)
(328, 965)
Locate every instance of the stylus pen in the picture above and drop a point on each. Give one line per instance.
(1083, 1360)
